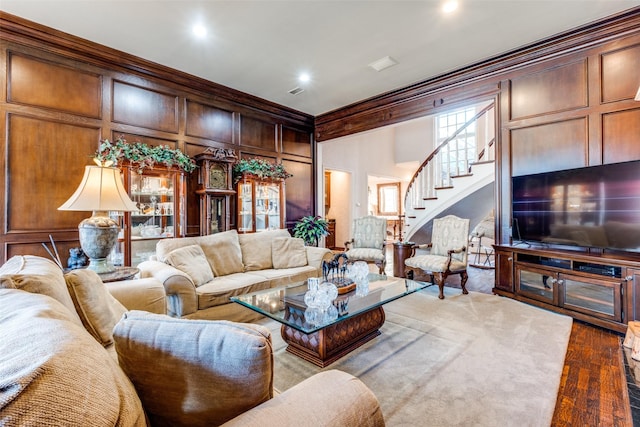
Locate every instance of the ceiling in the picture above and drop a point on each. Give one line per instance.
(259, 47)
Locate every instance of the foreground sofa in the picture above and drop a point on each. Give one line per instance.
(201, 274)
(73, 355)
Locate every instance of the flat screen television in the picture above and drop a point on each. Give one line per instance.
(590, 207)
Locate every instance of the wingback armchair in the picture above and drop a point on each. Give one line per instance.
(367, 244)
(447, 255)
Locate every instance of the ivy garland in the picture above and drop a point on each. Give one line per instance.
(260, 168)
(143, 156)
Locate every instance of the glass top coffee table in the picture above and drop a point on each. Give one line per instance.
(323, 336)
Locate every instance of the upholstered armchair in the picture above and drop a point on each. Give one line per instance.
(483, 255)
(367, 244)
(447, 255)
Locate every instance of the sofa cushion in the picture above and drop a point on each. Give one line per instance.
(195, 373)
(191, 260)
(52, 372)
(39, 276)
(98, 310)
(221, 289)
(165, 246)
(288, 252)
(223, 252)
(256, 248)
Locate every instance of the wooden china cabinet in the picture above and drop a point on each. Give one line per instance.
(159, 194)
(215, 189)
(261, 204)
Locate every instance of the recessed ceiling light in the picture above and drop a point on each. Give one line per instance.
(383, 63)
(304, 78)
(450, 6)
(199, 31)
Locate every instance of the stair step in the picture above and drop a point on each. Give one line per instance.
(419, 208)
(461, 175)
(430, 198)
(444, 188)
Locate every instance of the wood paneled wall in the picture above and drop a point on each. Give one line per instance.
(61, 95)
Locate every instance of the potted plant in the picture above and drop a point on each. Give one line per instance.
(311, 229)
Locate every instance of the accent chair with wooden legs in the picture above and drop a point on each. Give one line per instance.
(448, 253)
(367, 244)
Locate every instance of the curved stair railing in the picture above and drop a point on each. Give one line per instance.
(431, 176)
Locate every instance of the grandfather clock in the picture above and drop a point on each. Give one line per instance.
(215, 188)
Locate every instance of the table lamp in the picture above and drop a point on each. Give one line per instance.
(100, 191)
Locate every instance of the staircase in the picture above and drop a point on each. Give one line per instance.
(441, 184)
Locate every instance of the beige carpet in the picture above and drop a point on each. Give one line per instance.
(470, 360)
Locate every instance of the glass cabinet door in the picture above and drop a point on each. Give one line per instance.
(536, 283)
(596, 297)
(245, 209)
(154, 194)
(267, 206)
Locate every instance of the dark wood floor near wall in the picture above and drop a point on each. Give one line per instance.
(593, 388)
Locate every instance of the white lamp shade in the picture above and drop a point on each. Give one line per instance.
(101, 189)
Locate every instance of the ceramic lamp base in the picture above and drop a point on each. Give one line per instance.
(98, 235)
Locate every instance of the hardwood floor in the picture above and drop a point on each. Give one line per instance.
(593, 388)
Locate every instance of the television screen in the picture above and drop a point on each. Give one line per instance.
(596, 206)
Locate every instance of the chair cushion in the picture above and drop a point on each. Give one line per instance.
(39, 276)
(53, 373)
(98, 310)
(192, 261)
(288, 252)
(195, 372)
(434, 263)
(365, 254)
(256, 248)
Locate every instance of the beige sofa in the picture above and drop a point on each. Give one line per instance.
(71, 354)
(201, 274)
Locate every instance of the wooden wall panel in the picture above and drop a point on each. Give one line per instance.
(549, 147)
(550, 91)
(621, 136)
(620, 74)
(42, 84)
(296, 142)
(150, 109)
(258, 134)
(45, 163)
(208, 122)
(298, 188)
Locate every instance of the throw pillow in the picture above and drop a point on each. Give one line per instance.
(256, 248)
(38, 276)
(223, 252)
(98, 310)
(192, 261)
(194, 372)
(288, 252)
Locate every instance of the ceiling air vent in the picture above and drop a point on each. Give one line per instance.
(383, 63)
(296, 90)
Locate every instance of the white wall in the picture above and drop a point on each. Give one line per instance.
(392, 152)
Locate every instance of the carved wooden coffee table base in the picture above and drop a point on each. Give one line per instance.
(331, 343)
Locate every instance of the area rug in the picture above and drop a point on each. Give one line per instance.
(468, 360)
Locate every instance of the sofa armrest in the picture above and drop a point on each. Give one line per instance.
(330, 398)
(315, 255)
(180, 290)
(141, 294)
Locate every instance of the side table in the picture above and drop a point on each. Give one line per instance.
(120, 273)
(401, 251)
